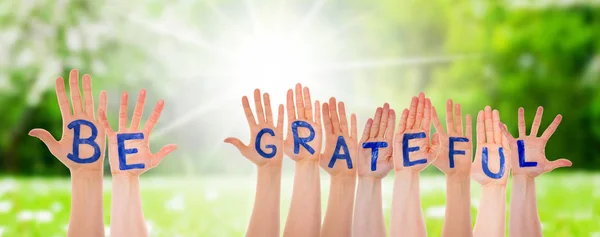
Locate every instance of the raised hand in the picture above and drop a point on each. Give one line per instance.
(339, 156)
(376, 142)
(266, 144)
(304, 137)
(82, 144)
(129, 147)
(528, 155)
(455, 149)
(491, 164)
(412, 148)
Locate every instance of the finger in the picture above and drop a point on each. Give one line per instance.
(268, 110)
(376, 122)
(427, 117)
(552, 128)
(366, 131)
(123, 112)
(522, 125)
(458, 119)
(162, 153)
(280, 119)
(308, 110)
(420, 111)
(237, 143)
(496, 126)
(469, 129)
(300, 103)
(88, 98)
(412, 113)
(291, 109)
(384, 121)
(74, 91)
(317, 114)
(537, 121)
(154, 117)
(558, 164)
(343, 119)
(138, 111)
(327, 119)
(435, 141)
(260, 113)
(403, 121)
(504, 139)
(391, 126)
(480, 128)
(436, 121)
(353, 127)
(104, 122)
(248, 112)
(63, 102)
(505, 132)
(489, 126)
(335, 121)
(103, 101)
(449, 119)
(45, 137)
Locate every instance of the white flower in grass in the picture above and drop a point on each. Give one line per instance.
(2, 229)
(25, 215)
(7, 185)
(5, 206)
(106, 231)
(44, 216)
(149, 226)
(56, 207)
(436, 212)
(177, 203)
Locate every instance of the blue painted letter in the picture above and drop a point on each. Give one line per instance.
(121, 138)
(341, 143)
(302, 140)
(486, 167)
(455, 152)
(406, 149)
(270, 146)
(522, 162)
(374, 152)
(77, 140)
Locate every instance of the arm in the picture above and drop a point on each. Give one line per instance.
(491, 216)
(457, 220)
(129, 157)
(374, 163)
(81, 149)
(266, 151)
(529, 161)
(304, 133)
(338, 159)
(407, 215)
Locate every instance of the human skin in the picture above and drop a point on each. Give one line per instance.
(407, 217)
(524, 219)
(491, 217)
(457, 220)
(338, 218)
(368, 214)
(304, 216)
(127, 216)
(265, 214)
(86, 178)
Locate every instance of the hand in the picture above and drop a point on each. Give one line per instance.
(133, 163)
(271, 144)
(88, 152)
(379, 129)
(461, 164)
(533, 147)
(490, 138)
(334, 129)
(414, 125)
(304, 111)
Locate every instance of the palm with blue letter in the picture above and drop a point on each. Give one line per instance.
(455, 140)
(491, 165)
(82, 144)
(300, 119)
(412, 148)
(129, 147)
(336, 160)
(268, 149)
(378, 132)
(529, 152)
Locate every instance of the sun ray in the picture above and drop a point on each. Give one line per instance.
(281, 8)
(222, 16)
(308, 18)
(251, 10)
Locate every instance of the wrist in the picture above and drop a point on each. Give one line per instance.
(407, 174)
(271, 170)
(344, 180)
(87, 174)
(522, 178)
(458, 178)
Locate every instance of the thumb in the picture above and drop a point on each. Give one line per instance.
(558, 164)
(46, 137)
(162, 153)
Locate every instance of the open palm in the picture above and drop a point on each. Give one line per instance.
(379, 129)
(302, 111)
(490, 139)
(336, 125)
(461, 163)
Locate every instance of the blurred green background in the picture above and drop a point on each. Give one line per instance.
(202, 56)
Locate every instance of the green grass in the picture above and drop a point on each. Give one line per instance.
(569, 204)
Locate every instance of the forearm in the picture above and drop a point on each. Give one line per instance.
(407, 216)
(265, 215)
(457, 221)
(86, 204)
(340, 207)
(491, 217)
(368, 216)
(304, 217)
(127, 217)
(524, 219)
